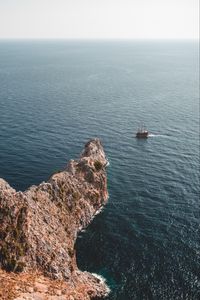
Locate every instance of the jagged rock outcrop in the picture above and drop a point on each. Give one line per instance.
(38, 227)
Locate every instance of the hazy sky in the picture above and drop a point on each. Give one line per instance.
(99, 19)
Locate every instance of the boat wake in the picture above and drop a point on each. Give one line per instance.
(157, 135)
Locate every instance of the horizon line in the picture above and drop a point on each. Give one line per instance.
(99, 39)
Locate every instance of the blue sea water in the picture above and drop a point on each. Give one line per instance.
(55, 95)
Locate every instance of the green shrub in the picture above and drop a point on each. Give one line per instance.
(98, 165)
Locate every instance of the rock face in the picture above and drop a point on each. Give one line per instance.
(38, 227)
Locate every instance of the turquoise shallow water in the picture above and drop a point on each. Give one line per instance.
(55, 95)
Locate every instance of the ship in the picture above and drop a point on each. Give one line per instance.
(142, 133)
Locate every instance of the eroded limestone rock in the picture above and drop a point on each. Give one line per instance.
(38, 228)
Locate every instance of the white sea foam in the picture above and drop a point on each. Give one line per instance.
(102, 280)
(83, 229)
(98, 211)
(108, 164)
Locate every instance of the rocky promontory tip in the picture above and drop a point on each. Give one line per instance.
(39, 227)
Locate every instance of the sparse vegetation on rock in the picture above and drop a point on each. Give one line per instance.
(98, 165)
(38, 227)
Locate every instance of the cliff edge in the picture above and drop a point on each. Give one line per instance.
(39, 227)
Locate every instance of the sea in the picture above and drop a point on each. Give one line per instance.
(55, 95)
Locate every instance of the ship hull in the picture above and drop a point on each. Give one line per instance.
(142, 135)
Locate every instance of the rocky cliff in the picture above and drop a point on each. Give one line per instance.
(39, 227)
